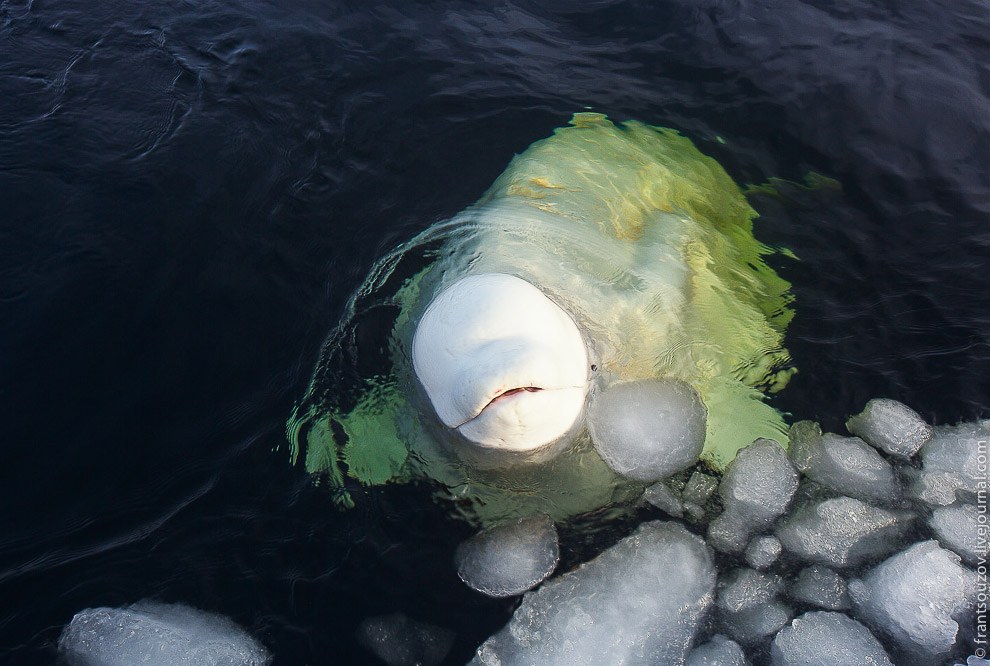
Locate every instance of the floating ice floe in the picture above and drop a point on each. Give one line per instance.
(756, 489)
(719, 651)
(951, 467)
(843, 532)
(158, 634)
(957, 527)
(757, 623)
(762, 551)
(820, 586)
(648, 429)
(916, 598)
(510, 558)
(821, 638)
(846, 465)
(664, 498)
(891, 426)
(744, 588)
(638, 603)
(400, 641)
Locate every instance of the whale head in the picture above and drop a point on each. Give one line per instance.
(501, 363)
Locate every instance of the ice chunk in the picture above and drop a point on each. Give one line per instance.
(639, 602)
(843, 532)
(819, 638)
(973, 660)
(952, 465)
(662, 497)
(400, 641)
(510, 558)
(822, 587)
(756, 489)
(744, 588)
(158, 634)
(957, 527)
(648, 429)
(719, 651)
(699, 488)
(916, 597)
(758, 622)
(762, 551)
(847, 465)
(891, 426)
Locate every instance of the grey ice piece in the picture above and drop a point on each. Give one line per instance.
(820, 638)
(891, 426)
(820, 586)
(638, 603)
(699, 488)
(757, 487)
(762, 551)
(400, 641)
(916, 598)
(846, 465)
(509, 559)
(744, 588)
(957, 527)
(157, 634)
(719, 651)
(843, 532)
(758, 622)
(662, 497)
(951, 464)
(648, 429)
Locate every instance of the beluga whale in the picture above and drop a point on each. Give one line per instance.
(600, 319)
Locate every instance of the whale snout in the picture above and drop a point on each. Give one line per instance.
(501, 363)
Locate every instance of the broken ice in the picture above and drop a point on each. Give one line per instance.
(158, 634)
(719, 651)
(400, 641)
(648, 429)
(820, 586)
(762, 551)
(916, 597)
(842, 532)
(847, 465)
(957, 527)
(891, 426)
(951, 464)
(510, 558)
(638, 603)
(757, 488)
(821, 638)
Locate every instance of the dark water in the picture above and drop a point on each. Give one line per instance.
(190, 190)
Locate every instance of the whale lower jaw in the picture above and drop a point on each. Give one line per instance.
(523, 419)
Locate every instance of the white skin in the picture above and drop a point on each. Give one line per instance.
(501, 363)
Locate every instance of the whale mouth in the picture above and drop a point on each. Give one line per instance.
(510, 392)
(500, 398)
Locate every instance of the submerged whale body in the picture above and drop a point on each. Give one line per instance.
(603, 255)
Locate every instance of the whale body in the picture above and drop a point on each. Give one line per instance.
(619, 253)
